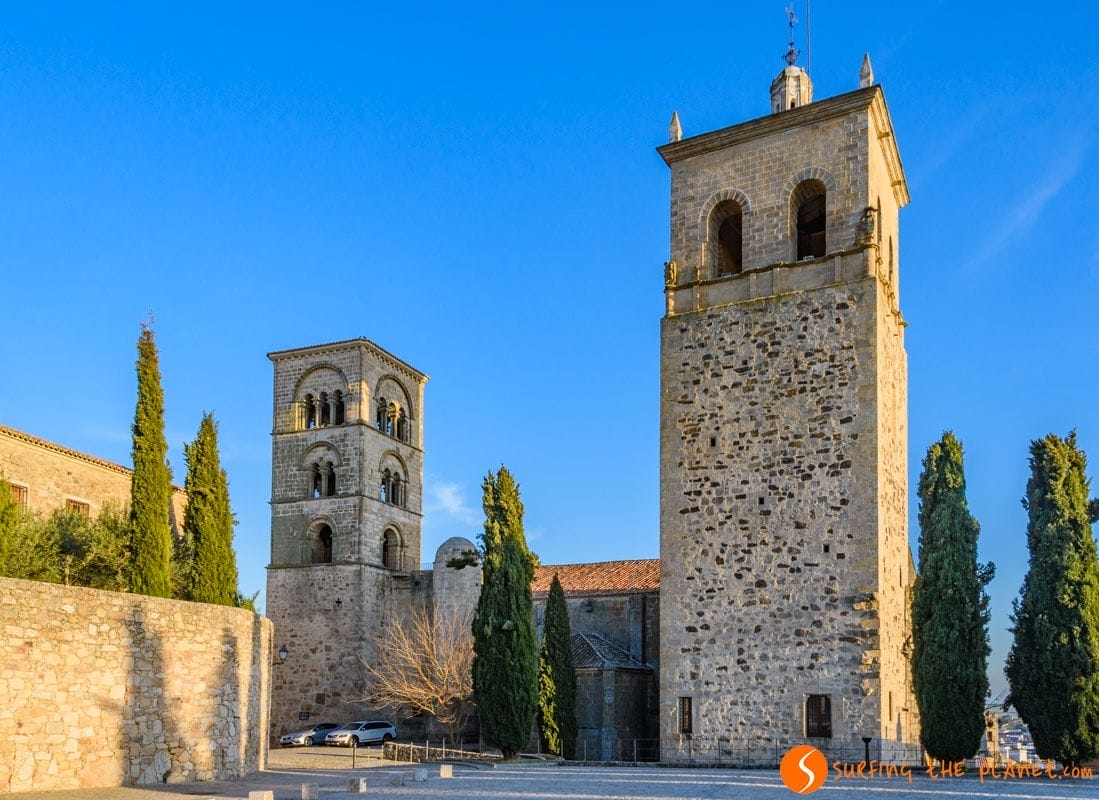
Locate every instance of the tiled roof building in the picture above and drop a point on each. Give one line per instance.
(603, 577)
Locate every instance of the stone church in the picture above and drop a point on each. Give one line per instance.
(778, 610)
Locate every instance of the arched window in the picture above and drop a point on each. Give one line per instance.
(727, 237)
(402, 425)
(341, 411)
(326, 412)
(329, 479)
(387, 479)
(391, 549)
(810, 212)
(310, 411)
(316, 482)
(379, 416)
(321, 546)
(890, 259)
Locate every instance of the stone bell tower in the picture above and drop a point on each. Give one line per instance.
(785, 564)
(346, 500)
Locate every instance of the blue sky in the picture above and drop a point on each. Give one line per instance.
(475, 188)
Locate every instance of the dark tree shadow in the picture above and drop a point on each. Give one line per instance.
(150, 735)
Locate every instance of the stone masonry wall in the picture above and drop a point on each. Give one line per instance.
(103, 689)
(330, 618)
(769, 546)
(52, 474)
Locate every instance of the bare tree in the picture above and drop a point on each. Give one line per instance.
(424, 665)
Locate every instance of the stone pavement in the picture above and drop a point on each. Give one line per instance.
(330, 770)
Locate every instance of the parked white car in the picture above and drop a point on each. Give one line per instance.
(362, 732)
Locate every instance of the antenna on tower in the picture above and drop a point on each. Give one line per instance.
(791, 53)
(808, 40)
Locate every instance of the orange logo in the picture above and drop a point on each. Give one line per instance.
(803, 769)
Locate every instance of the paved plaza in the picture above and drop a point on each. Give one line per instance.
(330, 769)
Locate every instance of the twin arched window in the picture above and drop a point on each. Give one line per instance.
(322, 480)
(323, 409)
(393, 489)
(392, 420)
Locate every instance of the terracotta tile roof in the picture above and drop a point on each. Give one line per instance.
(591, 651)
(603, 577)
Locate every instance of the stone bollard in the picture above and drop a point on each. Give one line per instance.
(397, 780)
(446, 770)
(356, 786)
(261, 794)
(309, 791)
(420, 775)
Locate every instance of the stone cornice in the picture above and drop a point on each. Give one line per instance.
(352, 344)
(870, 98)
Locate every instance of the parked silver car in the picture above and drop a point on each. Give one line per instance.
(361, 732)
(314, 734)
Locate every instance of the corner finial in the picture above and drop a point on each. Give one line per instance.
(675, 131)
(866, 72)
(792, 54)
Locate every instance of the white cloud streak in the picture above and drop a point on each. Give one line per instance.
(447, 500)
(1021, 218)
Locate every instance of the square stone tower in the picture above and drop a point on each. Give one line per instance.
(346, 500)
(785, 564)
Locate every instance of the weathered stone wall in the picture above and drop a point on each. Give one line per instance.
(769, 522)
(899, 715)
(330, 618)
(103, 689)
(455, 590)
(631, 621)
(51, 475)
(611, 713)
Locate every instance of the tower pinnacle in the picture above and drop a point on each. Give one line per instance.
(675, 130)
(866, 72)
(791, 87)
(792, 54)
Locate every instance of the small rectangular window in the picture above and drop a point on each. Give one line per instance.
(818, 716)
(80, 507)
(19, 494)
(686, 715)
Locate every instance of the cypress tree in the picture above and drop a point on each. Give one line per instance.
(208, 521)
(151, 484)
(557, 677)
(949, 611)
(505, 664)
(1053, 666)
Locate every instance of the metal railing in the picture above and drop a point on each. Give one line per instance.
(412, 753)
